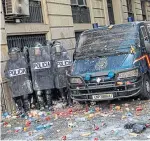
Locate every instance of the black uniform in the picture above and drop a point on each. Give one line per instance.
(17, 71)
(42, 76)
(61, 65)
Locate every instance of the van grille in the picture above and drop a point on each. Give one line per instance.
(103, 82)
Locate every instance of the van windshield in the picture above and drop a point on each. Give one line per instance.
(97, 64)
(118, 37)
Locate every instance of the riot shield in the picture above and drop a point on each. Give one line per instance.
(17, 71)
(61, 65)
(41, 68)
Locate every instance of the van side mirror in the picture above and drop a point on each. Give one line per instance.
(147, 46)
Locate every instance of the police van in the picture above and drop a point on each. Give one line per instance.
(112, 62)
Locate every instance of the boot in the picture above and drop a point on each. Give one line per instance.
(26, 103)
(69, 100)
(40, 100)
(49, 100)
(19, 106)
(63, 95)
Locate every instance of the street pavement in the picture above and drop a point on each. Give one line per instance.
(95, 122)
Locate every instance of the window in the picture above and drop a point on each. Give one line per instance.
(74, 2)
(25, 40)
(129, 6)
(80, 12)
(35, 11)
(78, 2)
(144, 33)
(36, 15)
(82, 2)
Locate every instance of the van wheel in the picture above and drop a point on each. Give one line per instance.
(145, 93)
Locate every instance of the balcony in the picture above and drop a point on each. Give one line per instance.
(35, 10)
(81, 14)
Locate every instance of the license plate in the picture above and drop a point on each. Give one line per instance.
(104, 96)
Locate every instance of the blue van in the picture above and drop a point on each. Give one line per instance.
(111, 62)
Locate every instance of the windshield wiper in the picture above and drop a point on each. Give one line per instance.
(100, 54)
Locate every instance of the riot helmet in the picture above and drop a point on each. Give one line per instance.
(57, 46)
(14, 53)
(64, 53)
(50, 43)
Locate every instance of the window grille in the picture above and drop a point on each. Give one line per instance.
(25, 40)
(81, 14)
(35, 10)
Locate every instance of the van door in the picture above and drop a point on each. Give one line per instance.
(145, 43)
(145, 38)
(144, 33)
(148, 28)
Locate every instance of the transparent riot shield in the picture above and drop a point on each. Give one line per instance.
(62, 65)
(17, 71)
(41, 68)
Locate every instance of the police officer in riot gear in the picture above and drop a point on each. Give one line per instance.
(17, 72)
(42, 76)
(61, 65)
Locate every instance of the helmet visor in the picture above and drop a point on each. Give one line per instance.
(13, 55)
(37, 51)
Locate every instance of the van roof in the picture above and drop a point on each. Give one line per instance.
(137, 23)
(147, 22)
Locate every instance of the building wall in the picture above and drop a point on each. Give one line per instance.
(118, 11)
(98, 14)
(124, 11)
(6, 100)
(97, 11)
(26, 28)
(121, 11)
(147, 6)
(61, 23)
(137, 10)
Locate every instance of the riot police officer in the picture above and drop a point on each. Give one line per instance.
(61, 65)
(17, 72)
(42, 76)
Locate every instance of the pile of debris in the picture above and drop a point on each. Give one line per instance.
(81, 122)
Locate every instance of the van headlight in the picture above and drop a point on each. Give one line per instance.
(75, 80)
(128, 74)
